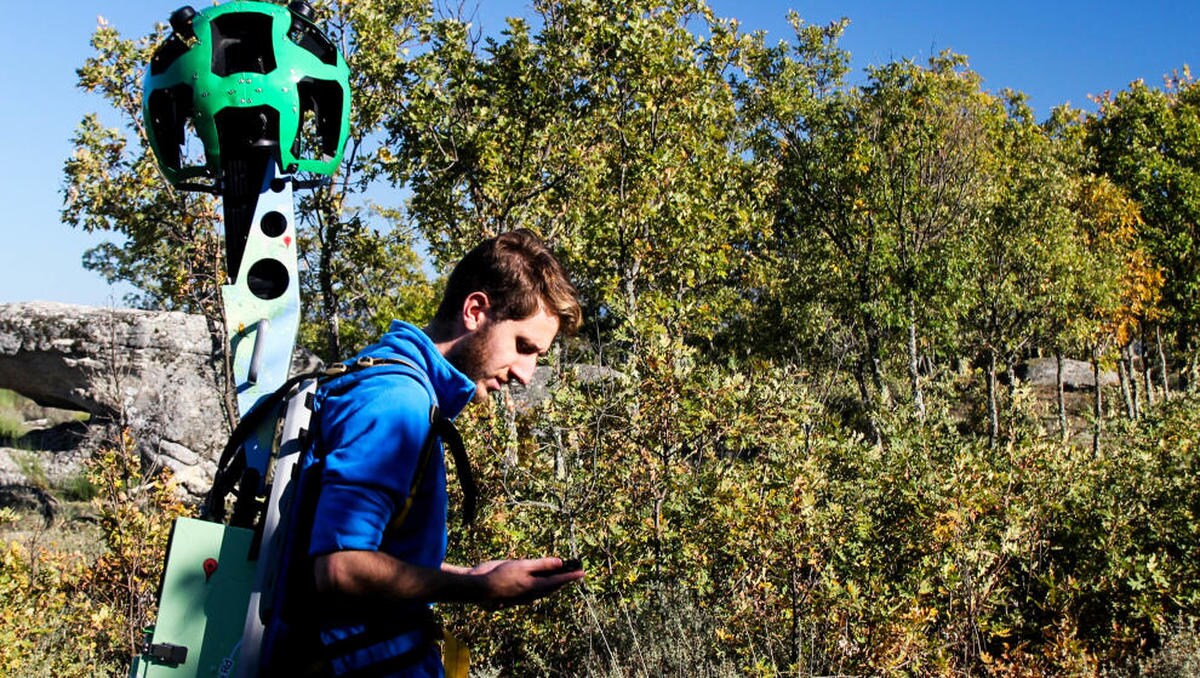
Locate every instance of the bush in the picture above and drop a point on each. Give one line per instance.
(65, 616)
(728, 527)
(45, 628)
(1179, 656)
(731, 526)
(12, 422)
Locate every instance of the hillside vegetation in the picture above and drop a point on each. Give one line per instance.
(814, 288)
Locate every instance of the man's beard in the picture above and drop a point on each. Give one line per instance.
(469, 355)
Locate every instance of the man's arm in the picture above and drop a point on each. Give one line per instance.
(371, 575)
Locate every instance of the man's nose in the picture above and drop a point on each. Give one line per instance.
(522, 369)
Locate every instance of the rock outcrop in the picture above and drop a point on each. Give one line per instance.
(150, 371)
(1078, 375)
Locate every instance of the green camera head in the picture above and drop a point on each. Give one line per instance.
(252, 79)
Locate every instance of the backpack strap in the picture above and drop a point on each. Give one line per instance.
(441, 428)
(232, 473)
(448, 432)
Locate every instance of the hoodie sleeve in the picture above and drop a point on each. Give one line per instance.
(373, 434)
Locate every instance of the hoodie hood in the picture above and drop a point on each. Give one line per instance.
(403, 340)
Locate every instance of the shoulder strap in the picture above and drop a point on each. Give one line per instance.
(442, 428)
(231, 467)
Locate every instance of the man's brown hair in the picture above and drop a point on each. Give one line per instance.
(518, 273)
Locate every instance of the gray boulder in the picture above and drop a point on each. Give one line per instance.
(538, 388)
(150, 371)
(1077, 374)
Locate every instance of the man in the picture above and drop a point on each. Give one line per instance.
(374, 575)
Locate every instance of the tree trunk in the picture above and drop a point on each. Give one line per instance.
(873, 353)
(1124, 378)
(860, 378)
(993, 410)
(1062, 398)
(218, 334)
(330, 229)
(333, 332)
(1147, 382)
(868, 401)
(1193, 368)
(1162, 362)
(1134, 393)
(1099, 403)
(914, 371)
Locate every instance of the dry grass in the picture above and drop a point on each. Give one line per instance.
(71, 528)
(37, 511)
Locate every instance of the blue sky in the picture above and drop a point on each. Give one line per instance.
(1055, 52)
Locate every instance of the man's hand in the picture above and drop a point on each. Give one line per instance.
(482, 568)
(516, 582)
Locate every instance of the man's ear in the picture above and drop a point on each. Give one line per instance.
(475, 311)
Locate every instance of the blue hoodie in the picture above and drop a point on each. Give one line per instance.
(371, 426)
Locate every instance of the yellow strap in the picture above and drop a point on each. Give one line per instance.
(456, 657)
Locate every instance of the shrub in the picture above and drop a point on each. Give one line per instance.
(32, 468)
(45, 628)
(136, 512)
(1179, 656)
(78, 487)
(62, 615)
(12, 422)
(729, 527)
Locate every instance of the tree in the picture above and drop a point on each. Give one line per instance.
(171, 253)
(1014, 253)
(362, 257)
(876, 186)
(171, 250)
(361, 266)
(1146, 141)
(610, 132)
(929, 131)
(802, 128)
(1122, 286)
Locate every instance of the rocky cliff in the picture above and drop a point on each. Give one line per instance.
(150, 371)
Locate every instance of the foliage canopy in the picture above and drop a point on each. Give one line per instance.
(810, 454)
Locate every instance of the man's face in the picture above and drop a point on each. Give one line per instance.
(496, 353)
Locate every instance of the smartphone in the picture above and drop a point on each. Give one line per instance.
(568, 565)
